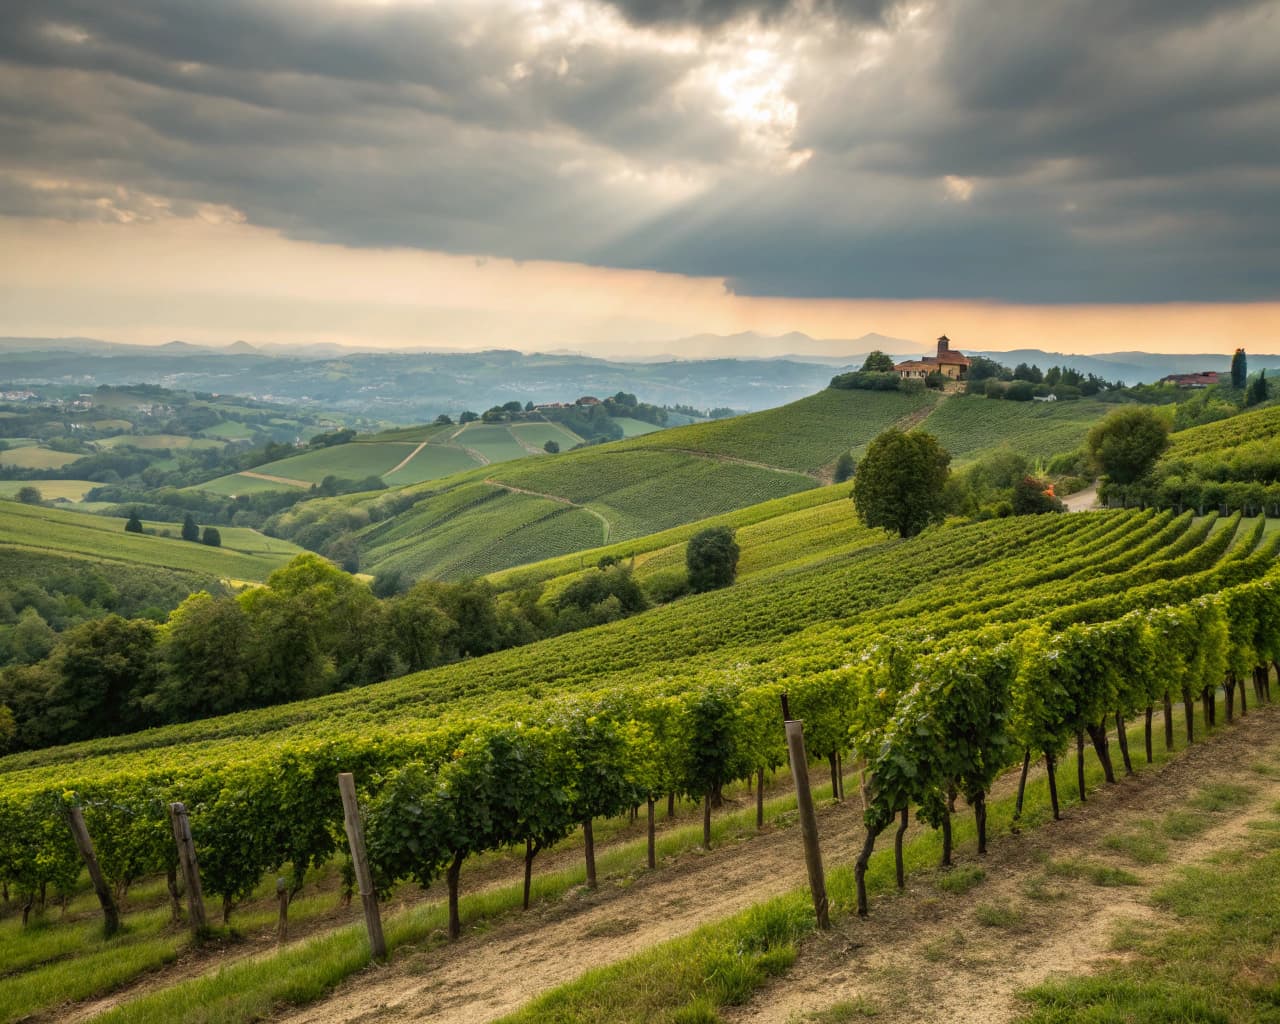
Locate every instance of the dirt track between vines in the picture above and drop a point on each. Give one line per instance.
(920, 956)
(924, 957)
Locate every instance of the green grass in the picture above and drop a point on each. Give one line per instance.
(154, 441)
(492, 440)
(36, 458)
(1216, 963)
(434, 461)
(538, 434)
(997, 915)
(237, 483)
(960, 880)
(969, 426)
(802, 436)
(634, 428)
(50, 490)
(353, 461)
(1142, 845)
(245, 554)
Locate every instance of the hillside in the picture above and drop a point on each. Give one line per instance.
(526, 510)
(530, 509)
(245, 555)
(1014, 611)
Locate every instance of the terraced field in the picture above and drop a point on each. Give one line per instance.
(35, 457)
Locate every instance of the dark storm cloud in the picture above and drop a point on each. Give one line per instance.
(712, 13)
(1080, 150)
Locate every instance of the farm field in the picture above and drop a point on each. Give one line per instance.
(803, 436)
(348, 461)
(494, 441)
(969, 426)
(1079, 577)
(432, 462)
(50, 490)
(538, 434)
(637, 428)
(244, 554)
(159, 441)
(35, 457)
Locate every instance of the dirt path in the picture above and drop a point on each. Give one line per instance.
(304, 484)
(608, 526)
(484, 976)
(407, 459)
(1082, 501)
(925, 956)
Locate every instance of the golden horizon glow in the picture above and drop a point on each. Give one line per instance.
(215, 281)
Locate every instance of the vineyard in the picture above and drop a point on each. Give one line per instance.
(1230, 465)
(935, 663)
(803, 436)
(970, 426)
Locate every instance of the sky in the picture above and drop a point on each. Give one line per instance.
(611, 175)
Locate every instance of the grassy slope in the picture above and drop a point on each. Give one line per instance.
(972, 426)
(1259, 425)
(244, 555)
(803, 436)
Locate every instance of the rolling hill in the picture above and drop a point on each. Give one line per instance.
(504, 515)
(245, 555)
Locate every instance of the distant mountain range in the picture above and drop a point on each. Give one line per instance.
(738, 371)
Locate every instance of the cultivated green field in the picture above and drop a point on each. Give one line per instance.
(50, 490)
(803, 436)
(637, 428)
(494, 441)
(538, 434)
(33, 457)
(431, 463)
(245, 554)
(160, 441)
(347, 461)
(969, 426)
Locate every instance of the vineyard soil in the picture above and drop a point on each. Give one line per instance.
(931, 956)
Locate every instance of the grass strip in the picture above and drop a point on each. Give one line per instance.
(1217, 964)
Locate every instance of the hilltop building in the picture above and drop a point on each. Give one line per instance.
(950, 364)
(1203, 379)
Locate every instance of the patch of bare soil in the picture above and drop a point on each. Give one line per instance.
(927, 955)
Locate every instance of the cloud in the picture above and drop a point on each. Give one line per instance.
(1065, 151)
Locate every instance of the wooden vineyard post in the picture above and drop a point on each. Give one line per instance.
(360, 861)
(808, 820)
(190, 866)
(75, 818)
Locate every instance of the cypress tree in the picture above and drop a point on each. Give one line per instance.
(1239, 369)
(190, 531)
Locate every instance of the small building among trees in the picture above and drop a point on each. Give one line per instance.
(948, 363)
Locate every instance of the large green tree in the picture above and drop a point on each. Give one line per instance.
(1127, 443)
(877, 362)
(1239, 369)
(712, 558)
(899, 484)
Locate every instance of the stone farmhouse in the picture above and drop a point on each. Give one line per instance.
(950, 364)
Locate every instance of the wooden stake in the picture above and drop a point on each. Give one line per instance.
(190, 867)
(808, 822)
(85, 845)
(360, 861)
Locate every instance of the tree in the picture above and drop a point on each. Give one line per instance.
(877, 362)
(190, 531)
(1127, 443)
(444, 420)
(551, 448)
(844, 468)
(1257, 393)
(212, 537)
(29, 495)
(1239, 369)
(900, 482)
(134, 525)
(712, 558)
(468, 416)
(1031, 497)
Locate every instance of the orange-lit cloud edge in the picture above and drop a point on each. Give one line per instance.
(214, 280)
